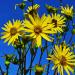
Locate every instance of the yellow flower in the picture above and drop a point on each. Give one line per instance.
(37, 28)
(30, 9)
(58, 21)
(12, 31)
(63, 59)
(68, 11)
(39, 68)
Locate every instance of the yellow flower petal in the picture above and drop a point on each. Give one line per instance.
(38, 40)
(7, 39)
(66, 69)
(27, 24)
(46, 37)
(71, 69)
(28, 30)
(5, 36)
(45, 22)
(12, 39)
(32, 20)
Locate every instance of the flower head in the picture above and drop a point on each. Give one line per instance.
(37, 28)
(51, 9)
(63, 59)
(68, 11)
(34, 8)
(12, 31)
(39, 68)
(58, 21)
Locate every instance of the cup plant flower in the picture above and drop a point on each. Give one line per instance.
(37, 28)
(63, 59)
(67, 11)
(11, 31)
(58, 21)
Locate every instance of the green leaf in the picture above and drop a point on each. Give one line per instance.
(32, 51)
(15, 60)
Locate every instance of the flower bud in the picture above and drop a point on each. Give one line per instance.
(73, 31)
(7, 63)
(39, 70)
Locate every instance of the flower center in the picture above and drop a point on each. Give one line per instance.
(55, 22)
(13, 31)
(63, 61)
(37, 30)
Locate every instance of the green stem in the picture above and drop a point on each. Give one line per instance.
(70, 39)
(20, 61)
(7, 67)
(48, 68)
(40, 57)
(61, 3)
(47, 56)
(55, 72)
(32, 62)
(1, 71)
(24, 63)
(32, 4)
(64, 36)
(22, 55)
(32, 58)
(17, 71)
(32, 7)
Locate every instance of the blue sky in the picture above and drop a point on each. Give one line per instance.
(8, 12)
